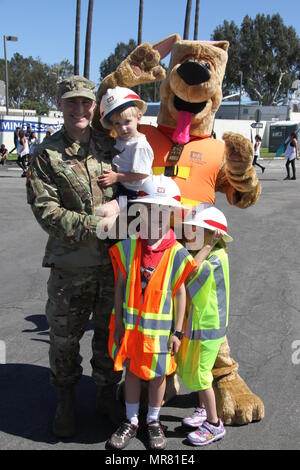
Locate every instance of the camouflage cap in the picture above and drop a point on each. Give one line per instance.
(75, 86)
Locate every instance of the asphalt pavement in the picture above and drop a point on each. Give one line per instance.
(264, 329)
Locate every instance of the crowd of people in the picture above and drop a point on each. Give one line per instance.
(25, 143)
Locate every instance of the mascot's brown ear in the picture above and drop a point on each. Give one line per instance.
(221, 44)
(164, 46)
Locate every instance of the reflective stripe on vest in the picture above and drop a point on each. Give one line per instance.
(209, 291)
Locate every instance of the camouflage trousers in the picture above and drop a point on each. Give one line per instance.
(73, 296)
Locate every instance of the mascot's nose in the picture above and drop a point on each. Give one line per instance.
(193, 73)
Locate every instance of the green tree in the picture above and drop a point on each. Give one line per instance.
(121, 51)
(32, 81)
(41, 107)
(266, 51)
(231, 33)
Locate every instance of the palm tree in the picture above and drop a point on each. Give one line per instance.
(77, 38)
(196, 20)
(187, 19)
(140, 30)
(87, 55)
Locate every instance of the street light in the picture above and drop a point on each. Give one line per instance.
(7, 38)
(240, 99)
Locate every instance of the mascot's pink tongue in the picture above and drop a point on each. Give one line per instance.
(182, 131)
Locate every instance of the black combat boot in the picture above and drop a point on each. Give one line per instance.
(64, 424)
(108, 404)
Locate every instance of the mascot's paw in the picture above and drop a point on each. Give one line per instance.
(141, 66)
(236, 404)
(239, 152)
(145, 60)
(244, 200)
(239, 170)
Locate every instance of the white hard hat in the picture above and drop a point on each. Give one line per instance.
(210, 218)
(118, 98)
(159, 189)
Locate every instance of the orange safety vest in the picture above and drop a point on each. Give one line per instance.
(148, 319)
(197, 169)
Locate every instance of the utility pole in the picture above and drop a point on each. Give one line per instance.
(7, 38)
(240, 98)
(87, 57)
(140, 33)
(187, 19)
(196, 27)
(140, 27)
(77, 38)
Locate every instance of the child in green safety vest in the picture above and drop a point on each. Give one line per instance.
(205, 323)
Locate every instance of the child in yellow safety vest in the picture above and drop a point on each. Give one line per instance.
(150, 299)
(205, 323)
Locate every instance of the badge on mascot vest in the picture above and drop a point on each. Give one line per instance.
(175, 153)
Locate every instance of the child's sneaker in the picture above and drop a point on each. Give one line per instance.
(207, 433)
(121, 438)
(197, 418)
(156, 436)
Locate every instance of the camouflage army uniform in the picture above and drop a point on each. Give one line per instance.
(63, 193)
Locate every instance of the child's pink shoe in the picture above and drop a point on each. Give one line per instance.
(206, 434)
(197, 418)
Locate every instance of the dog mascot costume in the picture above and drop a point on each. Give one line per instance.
(190, 94)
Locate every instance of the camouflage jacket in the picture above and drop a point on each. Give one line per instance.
(63, 193)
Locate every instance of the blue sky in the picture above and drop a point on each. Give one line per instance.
(46, 28)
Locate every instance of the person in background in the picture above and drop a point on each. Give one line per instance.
(32, 146)
(291, 154)
(16, 139)
(257, 146)
(28, 133)
(3, 154)
(23, 152)
(48, 134)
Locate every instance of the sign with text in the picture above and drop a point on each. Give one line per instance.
(257, 125)
(38, 127)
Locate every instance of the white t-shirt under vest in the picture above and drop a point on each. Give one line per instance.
(135, 156)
